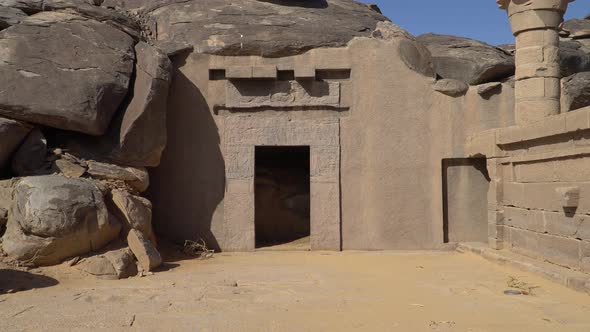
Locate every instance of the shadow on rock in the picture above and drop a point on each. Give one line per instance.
(12, 281)
(300, 3)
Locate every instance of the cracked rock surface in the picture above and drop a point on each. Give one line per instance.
(75, 81)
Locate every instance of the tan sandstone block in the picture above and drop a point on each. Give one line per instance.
(238, 72)
(530, 88)
(538, 70)
(560, 250)
(524, 219)
(576, 226)
(535, 172)
(269, 72)
(536, 38)
(529, 111)
(528, 55)
(304, 72)
(513, 194)
(577, 120)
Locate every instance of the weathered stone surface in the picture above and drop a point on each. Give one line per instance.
(451, 87)
(69, 169)
(6, 190)
(27, 6)
(576, 91)
(3, 217)
(508, 48)
(137, 179)
(243, 94)
(86, 8)
(12, 134)
(30, 156)
(576, 27)
(135, 212)
(10, 16)
(38, 66)
(467, 60)
(247, 27)
(147, 255)
(112, 264)
(141, 136)
(413, 53)
(54, 217)
(574, 58)
(488, 88)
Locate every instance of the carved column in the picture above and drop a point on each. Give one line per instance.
(535, 24)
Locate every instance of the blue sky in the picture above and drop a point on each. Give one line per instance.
(478, 19)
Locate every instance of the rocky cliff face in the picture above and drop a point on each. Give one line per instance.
(83, 98)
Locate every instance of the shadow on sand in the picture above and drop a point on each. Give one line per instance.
(12, 281)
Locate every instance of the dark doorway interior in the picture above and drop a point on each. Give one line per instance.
(282, 201)
(465, 198)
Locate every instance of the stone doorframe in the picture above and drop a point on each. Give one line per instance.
(242, 134)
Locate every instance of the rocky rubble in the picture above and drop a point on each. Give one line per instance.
(82, 113)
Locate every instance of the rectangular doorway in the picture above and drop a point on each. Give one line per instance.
(282, 197)
(465, 200)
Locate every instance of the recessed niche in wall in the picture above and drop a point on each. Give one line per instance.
(333, 74)
(465, 199)
(286, 75)
(216, 74)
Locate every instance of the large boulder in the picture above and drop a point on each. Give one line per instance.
(251, 27)
(577, 28)
(142, 133)
(55, 217)
(468, 60)
(86, 8)
(10, 16)
(12, 134)
(137, 136)
(576, 91)
(52, 52)
(574, 58)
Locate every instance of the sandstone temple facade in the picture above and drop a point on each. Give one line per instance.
(252, 123)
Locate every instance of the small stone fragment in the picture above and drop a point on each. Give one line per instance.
(135, 212)
(69, 169)
(488, 88)
(147, 255)
(451, 87)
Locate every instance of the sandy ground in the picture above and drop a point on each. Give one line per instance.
(296, 291)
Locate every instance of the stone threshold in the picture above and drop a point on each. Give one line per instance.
(575, 280)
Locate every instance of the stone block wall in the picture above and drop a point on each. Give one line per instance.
(539, 197)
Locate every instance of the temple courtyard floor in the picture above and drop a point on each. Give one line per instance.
(296, 291)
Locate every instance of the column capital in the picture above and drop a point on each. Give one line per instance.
(534, 14)
(517, 6)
